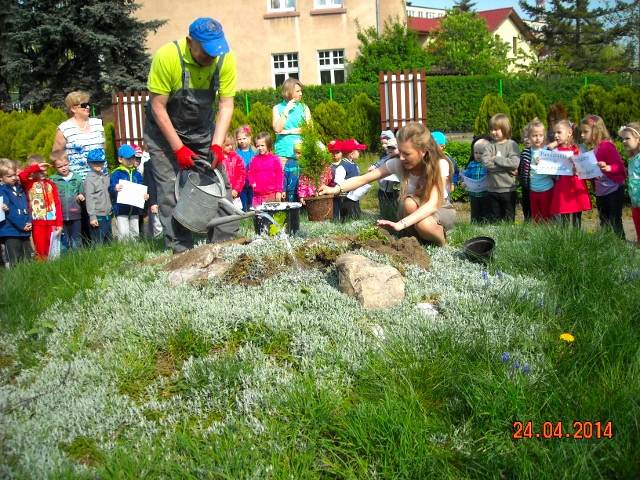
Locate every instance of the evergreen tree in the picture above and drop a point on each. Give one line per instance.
(464, 5)
(56, 46)
(574, 34)
(464, 45)
(398, 48)
(490, 106)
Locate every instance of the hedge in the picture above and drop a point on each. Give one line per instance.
(453, 101)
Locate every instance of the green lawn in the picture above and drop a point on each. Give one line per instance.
(106, 371)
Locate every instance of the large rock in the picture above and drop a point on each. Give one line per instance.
(373, 284)
(197, 265)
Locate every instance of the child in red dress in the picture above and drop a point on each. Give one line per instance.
(570, 194)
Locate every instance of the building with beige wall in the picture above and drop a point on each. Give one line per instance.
(273, 39)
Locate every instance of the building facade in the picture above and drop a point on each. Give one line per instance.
(274, 39)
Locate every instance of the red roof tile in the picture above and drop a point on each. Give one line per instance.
(493, 18)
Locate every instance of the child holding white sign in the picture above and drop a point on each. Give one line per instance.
(537, 186)
(570, 194)
(610, 186)
(630, 135)
(127, 224)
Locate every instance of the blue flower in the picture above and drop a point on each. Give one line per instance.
(485, 275)
(525, 368)
(516, 365)
(506, 357)
(499, 274)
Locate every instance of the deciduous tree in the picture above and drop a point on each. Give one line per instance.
(464, 45)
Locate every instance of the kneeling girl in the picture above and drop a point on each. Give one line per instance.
(423, 209)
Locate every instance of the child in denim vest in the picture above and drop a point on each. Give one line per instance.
(15, 230)
(71, 194)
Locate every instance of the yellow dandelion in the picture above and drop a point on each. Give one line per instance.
(567, 337)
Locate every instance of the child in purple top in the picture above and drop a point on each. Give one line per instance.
(265, 172)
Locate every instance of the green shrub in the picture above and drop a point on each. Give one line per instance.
(524, 110)
(260, 119)
(314, 159)
(460, 152)
(239, 118)
(590, 100)
(110, 145)
(491, 105)
(331, 120)
(622, 106)
(364, 121)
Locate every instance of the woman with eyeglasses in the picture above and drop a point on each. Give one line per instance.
(78, 135)
(75, 138)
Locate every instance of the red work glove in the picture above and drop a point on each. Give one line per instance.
(218, 155)
(184, 156)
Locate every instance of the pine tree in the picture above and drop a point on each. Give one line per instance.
(574, 34)
(56, 46)
(464, 5)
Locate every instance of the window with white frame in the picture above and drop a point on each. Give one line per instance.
(285, 65)
(327, 4)
(331, 66)
(281, 5)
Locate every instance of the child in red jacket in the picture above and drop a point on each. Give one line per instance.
(44, 204)
(234, 166)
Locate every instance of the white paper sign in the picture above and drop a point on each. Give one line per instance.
(555, 163)
(131, 193)
(1, 209)
(391, 178)
(475, 186)
(587, 165)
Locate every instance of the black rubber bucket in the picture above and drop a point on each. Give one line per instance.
(479, 249)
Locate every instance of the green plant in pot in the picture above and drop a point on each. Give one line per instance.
(313, 162)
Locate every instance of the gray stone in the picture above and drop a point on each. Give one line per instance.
(373, 284)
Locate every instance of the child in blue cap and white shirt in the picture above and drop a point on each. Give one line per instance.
(127, 224)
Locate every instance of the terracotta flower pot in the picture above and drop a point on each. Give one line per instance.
(319, 208)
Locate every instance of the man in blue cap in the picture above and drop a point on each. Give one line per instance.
(186, 78)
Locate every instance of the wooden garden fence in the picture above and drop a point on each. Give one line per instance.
(403, 98)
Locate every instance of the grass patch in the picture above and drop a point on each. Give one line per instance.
(60, 280)
(83, 450)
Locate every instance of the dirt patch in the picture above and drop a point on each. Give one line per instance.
(406, 250)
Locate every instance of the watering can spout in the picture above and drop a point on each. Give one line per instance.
(229, 218)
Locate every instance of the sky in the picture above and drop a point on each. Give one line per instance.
(484, 4)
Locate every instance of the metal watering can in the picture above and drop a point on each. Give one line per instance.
(202, 201)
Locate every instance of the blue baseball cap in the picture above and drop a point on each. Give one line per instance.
(96, 156)
(126, 151)
(439, 138)
(208, 32)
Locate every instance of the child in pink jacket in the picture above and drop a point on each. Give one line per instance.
(234, 166)
(265, 172)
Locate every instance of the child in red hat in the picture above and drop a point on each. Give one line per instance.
(348, 168)
(44, 205)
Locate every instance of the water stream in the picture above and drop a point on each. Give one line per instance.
(281, 235)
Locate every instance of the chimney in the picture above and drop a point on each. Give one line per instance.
(540, 4)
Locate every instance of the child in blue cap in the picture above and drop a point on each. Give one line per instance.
(127, 224)
(96, 192)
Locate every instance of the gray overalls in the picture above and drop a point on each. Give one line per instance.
(191, 112)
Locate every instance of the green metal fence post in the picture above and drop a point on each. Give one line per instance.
(330, 93)
(246, 103)
(500, 88)
(586, 82)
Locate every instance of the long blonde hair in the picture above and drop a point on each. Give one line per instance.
(598, 129)
(421, 139)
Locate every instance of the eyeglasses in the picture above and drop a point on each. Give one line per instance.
(84, 105)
